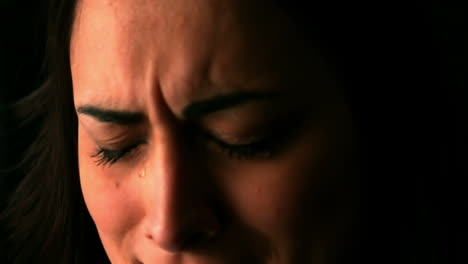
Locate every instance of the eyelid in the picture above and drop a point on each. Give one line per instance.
(234, 139)
(115, 145)
(105, 156)
(115, 140)
(109, 133)
(241, 133)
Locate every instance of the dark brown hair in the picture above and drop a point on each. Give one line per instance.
(46, 218)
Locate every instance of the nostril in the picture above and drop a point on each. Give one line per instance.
(200, 237)
(136, 261)
(193, 240)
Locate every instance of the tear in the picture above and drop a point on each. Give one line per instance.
(142, 173)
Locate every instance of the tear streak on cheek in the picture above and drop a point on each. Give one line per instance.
(142, 173)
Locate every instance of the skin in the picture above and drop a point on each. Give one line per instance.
(180, 197)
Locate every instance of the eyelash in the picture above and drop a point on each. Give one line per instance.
(110, 156)
(261, 149)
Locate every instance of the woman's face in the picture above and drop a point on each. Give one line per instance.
(209, 132)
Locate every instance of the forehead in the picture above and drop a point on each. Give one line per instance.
(121, 51)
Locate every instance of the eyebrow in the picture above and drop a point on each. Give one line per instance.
(193, 111)
(111, 116)
(202, 108)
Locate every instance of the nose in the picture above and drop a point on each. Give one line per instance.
(178, 215)
(182, 234)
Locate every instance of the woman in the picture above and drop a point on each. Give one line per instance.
(180, 131)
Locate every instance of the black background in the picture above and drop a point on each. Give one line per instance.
(406, 62)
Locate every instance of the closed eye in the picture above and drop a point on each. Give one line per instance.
(109, 157)
(262, 149)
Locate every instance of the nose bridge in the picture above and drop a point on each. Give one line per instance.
(166, 160)
(164, 177)
(167, 167)
(175, 212)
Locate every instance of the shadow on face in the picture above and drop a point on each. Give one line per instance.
(209, 132)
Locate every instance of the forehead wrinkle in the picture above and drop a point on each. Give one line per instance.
(117, 72)
(209, 57)
(127, 66)
(185, 75)
(184, 58)
(133, 67)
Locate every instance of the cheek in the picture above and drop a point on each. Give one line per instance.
(284, 198)
(273, 197)
(113, 205)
